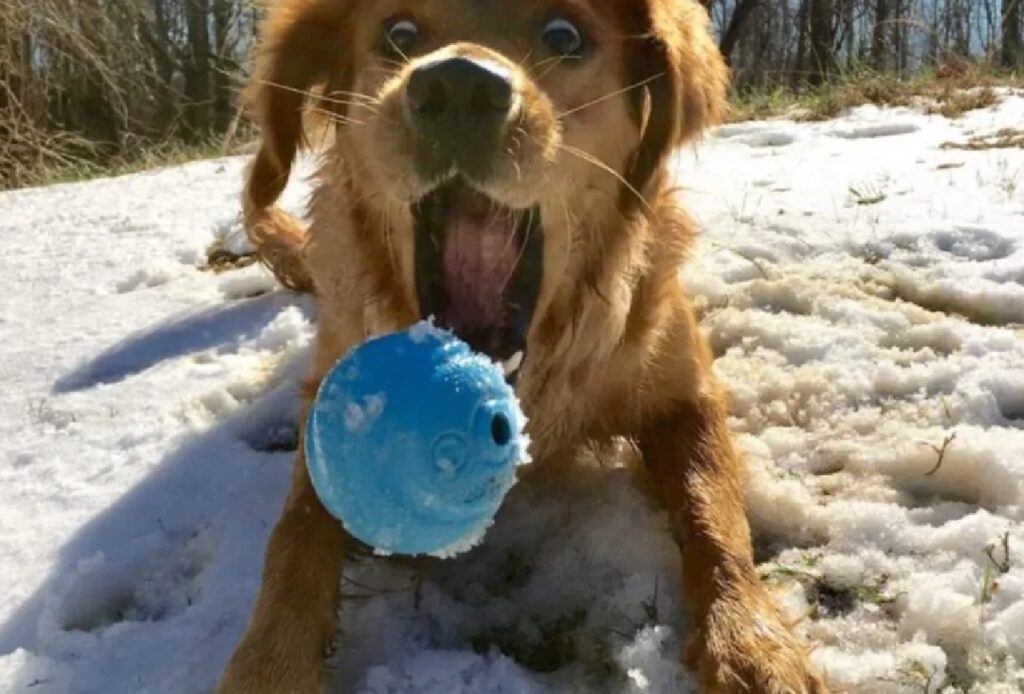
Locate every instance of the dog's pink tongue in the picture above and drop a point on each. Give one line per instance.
(480, 253)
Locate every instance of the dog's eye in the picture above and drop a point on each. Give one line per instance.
(563, 38)
(401, 37)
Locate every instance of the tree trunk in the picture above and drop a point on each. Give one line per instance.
(799, 64)
(880, 34)
(849, 32)
(154, 34)
(737, 23)
(222, 112)
(962, 28)
(899, 33)
(1013, 45)
(197, 68)
(822, 35)
(933, 36)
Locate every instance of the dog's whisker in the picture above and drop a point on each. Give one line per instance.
(591, 159)
(522, 251)
(323, 97)
(516, 166)
(389, 237)
(367, 107)
(337, 118)
(542, 62)
(611, 95)
(355, 95)
(524, 63)
(388, 72)
(392, 61)
(570, 222)
(554, 63)
(353, 104)
(508, 243)
(394, 46)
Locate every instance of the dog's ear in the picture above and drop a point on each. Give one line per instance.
(301, 48)
(673, 52)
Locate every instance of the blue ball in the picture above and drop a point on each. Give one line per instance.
(413, 442)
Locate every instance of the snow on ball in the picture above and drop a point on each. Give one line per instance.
(413, 442)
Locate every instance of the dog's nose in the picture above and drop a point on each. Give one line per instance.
(456, 99)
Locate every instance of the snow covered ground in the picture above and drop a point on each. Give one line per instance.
(862, 284)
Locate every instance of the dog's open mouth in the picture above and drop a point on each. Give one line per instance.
(478, 269)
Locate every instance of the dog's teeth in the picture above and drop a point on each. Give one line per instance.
(512, 364)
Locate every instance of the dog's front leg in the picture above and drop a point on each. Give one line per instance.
(739, 642)
(295, 617)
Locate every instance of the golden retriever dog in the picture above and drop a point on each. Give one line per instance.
(501, 165)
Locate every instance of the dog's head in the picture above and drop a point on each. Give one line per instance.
(492, 145)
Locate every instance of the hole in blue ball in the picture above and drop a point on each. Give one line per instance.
(501, 430)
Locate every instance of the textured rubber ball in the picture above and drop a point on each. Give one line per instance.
(413, 442)
(501, 430)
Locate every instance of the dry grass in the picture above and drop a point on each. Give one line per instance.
(72, 166)
(948, 92)
(951, 92)
(953, 102)
(1006, 138)
(219, 259)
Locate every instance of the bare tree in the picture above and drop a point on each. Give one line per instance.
(197, 68)
(821, 27)
(880, 33)
(741, 15)
(1013, 45)
(95, 79)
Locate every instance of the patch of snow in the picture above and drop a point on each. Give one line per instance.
(231, 234)
(427, 329)
(873, 130)
(360, 416)
(872, 343)
(466, 542)
(153, 275)
(254, 280)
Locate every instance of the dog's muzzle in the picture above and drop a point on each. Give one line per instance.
(458, 108)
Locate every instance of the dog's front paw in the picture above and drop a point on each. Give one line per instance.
(262, 666)
(743, 647)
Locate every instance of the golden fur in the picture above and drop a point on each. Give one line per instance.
(614, 348)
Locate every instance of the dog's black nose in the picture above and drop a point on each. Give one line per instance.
(460, 106)
(459, 93)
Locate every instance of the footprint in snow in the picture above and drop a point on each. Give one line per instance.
(275, 437)
(153, 275)
(154, 587)
(874, 130)
(755, 135)
(1009, 400)
(972, 243)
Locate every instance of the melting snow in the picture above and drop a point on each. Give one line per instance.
(861, 282)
